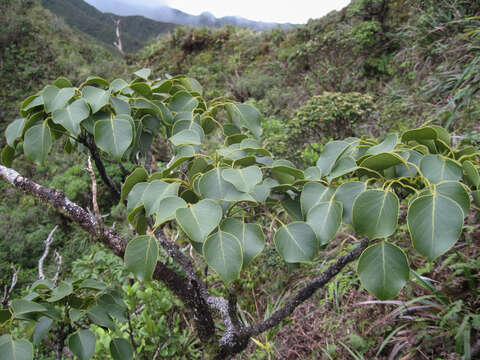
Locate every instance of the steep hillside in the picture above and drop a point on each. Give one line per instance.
(413, 58)
(136, 31)
(36, 47)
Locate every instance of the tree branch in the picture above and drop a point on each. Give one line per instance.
(231, 345)
(178, 285)
(101, 169)
(305, 293)
(8, 290)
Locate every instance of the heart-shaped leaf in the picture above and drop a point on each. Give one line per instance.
(250, 236)
(37, 143)
(141, 257)
(435, 223)
(183, 101)
(55, 98)
(383, 270)
(15, 131)
(325, 219)
(166, 208)
(15, 350)
(244, 115)
(375, 213)
(436, 168)
(121, 349)
(471, 175)
(346, 194)
(186, 137)
(314, 193)
(223, 253)
(296, 242)
(199, 220)
(155, 192)
(143, 73)
(113, 136)
(385, 146)
(136, 176)
(82, 344)
(95, 97)
(212, 185)
(100, 316)
(72, 115)
(42, 327)
(456, 192)
(244, 179)
(332, 151)
(63, 289)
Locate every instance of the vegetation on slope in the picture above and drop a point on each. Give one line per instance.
(136, 31)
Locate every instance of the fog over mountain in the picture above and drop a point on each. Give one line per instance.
(161, 12)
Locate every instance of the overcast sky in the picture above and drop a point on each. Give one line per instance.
(293, 11)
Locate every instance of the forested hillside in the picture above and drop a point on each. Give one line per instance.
(136, 31)
(396, 84)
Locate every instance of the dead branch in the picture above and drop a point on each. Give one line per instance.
(48, 241)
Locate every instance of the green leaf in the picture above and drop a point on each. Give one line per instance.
(113, 136)
(435, 223)
(296, 242)
(141, 257)
(15, 350)
(37, 143)
(382, 161)
(243, 115)
(63, 289)
(313, 173)
(199, 220)
(134, 198)
(92, 284)
(186, 137)
(120, 106)
(143, 73)
(476, 197)
(96, 80)
(436, 168)
(313, 193)
(155, 192)
(121, 349)
(166, 208)
(223, 253)
(21, 307)
(293, 209)
(42, 327)
(72, 115)
(333, 150)
(7, 156)
(95, 97)
(342, 167)
(141, 89)
(136, 176)
(55, 98)
(383, 270)
(183, 101)
(244, 179)
(30, 103)
(212, 185)
(63, 82)
(456, 192)
(346, 194)
(385, 146)
(15, 131)
(375, 213)
(100, 315)
(117, 85)
(251, 237)
(419, 135)
(471, 175)
(325, 219)
(82, 344)
(5, 315)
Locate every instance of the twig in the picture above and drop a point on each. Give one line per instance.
(7, 293)
(48, 241)
(58, 261)
(96, 210)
